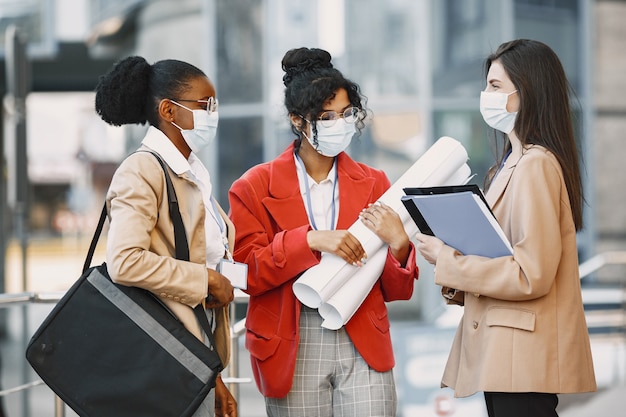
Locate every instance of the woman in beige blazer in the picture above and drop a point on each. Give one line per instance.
(523, 336)
(178, 101)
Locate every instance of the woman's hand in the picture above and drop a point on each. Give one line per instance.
(429, 247)
(221, 291)
(339, 242)
(225, 404)
(386, 223)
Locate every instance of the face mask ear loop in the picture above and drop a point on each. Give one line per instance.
(184, 107)
(313, 130)
(315, 145)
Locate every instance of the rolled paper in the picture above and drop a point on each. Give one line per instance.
(342, 305)
(337, 288)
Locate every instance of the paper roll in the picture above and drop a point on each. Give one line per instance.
(337, 288)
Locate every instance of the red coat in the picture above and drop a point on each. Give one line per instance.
(271, 227)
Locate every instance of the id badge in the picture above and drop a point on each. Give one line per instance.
(236, 272)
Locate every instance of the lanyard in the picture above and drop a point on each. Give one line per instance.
(308, 195)
(222, 225)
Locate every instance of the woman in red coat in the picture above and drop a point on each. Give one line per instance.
(287, 212)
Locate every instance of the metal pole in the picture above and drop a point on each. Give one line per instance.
(17, 72)
(3, 209)
(233, 366)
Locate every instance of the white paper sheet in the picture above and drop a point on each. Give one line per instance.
(337, 288)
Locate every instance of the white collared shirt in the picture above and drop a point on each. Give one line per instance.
(321, 195)
(197, 172)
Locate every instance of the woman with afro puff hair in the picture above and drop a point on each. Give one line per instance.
(178, 101)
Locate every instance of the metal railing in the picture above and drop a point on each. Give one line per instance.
(601, 260)
(605, 307)
(586, 268)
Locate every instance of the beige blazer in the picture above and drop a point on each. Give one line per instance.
(140, 241)
(523, 328)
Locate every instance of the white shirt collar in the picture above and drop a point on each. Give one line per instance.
(300, 172)
(160, 143)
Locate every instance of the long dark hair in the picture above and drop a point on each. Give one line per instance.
(544, 116)
(310, 81)
(132, 90)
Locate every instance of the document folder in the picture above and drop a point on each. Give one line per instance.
(460, 217)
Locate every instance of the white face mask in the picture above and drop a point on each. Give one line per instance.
(493, 109)
(204, 129)
(331, 141)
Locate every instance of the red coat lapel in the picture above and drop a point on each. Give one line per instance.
(285, 204)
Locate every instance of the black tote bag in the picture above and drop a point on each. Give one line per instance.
(112, 350)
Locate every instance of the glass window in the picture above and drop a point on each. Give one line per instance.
(33, 19)
(463, 33)
(240, 147)
(381, 46)
(240, 51)
(555, 23)
(240, 89)
(468, 127)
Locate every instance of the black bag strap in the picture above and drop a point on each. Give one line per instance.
(180, 237)
(180, 241)
(95, 238)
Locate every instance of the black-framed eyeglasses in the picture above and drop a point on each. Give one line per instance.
(349, 115)
(210, 105)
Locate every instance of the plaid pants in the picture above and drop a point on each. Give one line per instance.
(332, 379)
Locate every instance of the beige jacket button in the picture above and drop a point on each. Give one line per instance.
(475, 324)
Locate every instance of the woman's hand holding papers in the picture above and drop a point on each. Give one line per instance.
(429, 247)
(339, 242)
(386, 223)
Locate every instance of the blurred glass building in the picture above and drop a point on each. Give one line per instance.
(418, 62)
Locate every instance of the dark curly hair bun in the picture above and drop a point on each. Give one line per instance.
(301, 60)
(121, 94)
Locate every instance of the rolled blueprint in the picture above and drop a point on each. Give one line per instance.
(337, 288)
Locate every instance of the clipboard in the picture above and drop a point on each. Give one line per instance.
(445, 189)
(460, 217)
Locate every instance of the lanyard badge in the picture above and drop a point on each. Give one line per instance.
(236, 272)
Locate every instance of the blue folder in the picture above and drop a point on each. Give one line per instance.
(460, 217)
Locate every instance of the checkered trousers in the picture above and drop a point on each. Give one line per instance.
(332, 379)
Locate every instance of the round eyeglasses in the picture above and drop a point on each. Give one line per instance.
(349, 115)
(210, 105)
